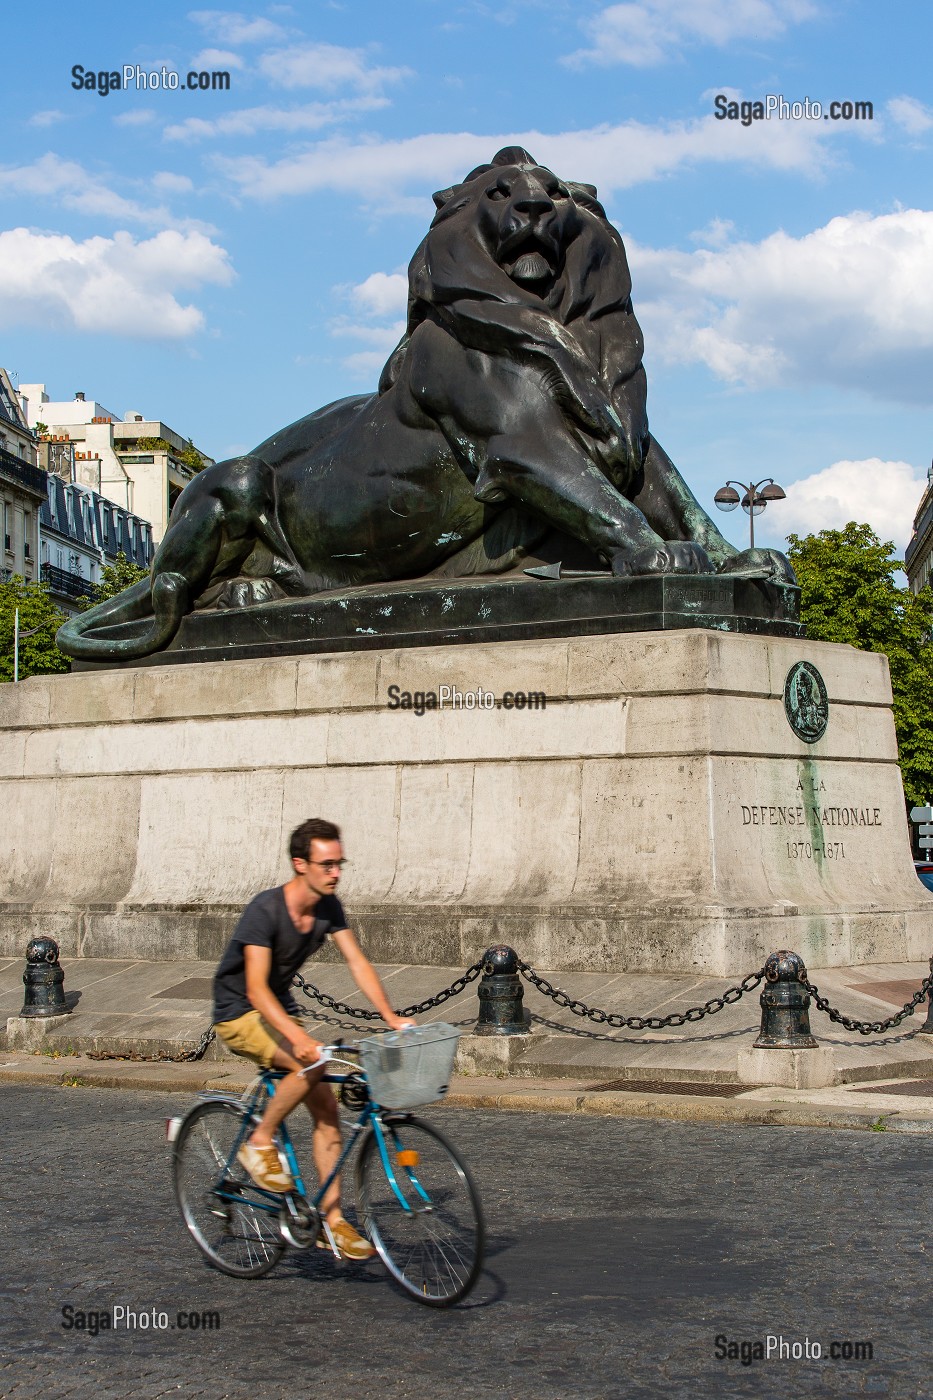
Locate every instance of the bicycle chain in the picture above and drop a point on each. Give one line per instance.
(359, 1013)
(870, 1027)
(639, 1023)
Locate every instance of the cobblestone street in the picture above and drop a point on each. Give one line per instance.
(619, 1250)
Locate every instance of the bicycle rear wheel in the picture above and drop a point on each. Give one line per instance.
(430, 1232)
(218, 1202)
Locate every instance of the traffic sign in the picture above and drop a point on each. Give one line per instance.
(921, 814)
(925, 835)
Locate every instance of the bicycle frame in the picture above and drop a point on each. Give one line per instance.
(272, 1201)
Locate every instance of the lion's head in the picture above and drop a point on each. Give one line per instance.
(513, 233)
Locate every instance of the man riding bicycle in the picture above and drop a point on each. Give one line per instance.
(254, 1011)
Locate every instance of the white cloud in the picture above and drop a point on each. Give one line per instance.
(381, 341)
(313, 116)
(231, 28)
(172, 184)
(70, 184)
(715, 235)
(850, 304)
(652, 31)
(137, 116)
(113, 286)
(326, 66)
(382, 294)
(884, 495)
(216, 58)
(47, 118)
(913, 116)
(612, 157)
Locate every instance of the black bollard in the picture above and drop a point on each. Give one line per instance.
(927, 1027)
(44, 979)
(500, 995)
(785, 1016)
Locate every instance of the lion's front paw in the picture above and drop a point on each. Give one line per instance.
(246, 592)
(768, 564)
(666, 557)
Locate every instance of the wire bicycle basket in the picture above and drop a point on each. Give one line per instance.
(411, 1067)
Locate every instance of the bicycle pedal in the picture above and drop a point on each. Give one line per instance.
(325, 1240)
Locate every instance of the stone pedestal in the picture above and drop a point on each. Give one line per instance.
(655, 812)
(788, 1069)
(29, 1032)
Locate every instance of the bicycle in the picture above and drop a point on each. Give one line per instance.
(421, 1210)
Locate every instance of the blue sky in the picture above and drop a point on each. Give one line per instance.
(229, 261)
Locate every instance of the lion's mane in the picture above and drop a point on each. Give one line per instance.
(455, 280)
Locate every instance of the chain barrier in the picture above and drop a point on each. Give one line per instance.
(359, 1013)
(640, 1023)
(870, 1027)
(185, 1056)
(577, 1008)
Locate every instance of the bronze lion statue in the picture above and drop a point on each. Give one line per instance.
(513, 409)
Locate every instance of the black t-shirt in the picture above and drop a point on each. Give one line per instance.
(266, 923)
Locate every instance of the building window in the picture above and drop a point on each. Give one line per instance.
(27, 533)
(7, 529)
(58, 559)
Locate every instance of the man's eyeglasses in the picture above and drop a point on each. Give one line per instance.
(329, 864)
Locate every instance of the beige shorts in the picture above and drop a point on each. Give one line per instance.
(252, 1037)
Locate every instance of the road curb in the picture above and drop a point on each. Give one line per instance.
(684, 1108)
(78, 1072)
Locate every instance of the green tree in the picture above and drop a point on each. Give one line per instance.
(149, 444)
(113, 579)
(849, 593)
(191, 457)
(38, 654)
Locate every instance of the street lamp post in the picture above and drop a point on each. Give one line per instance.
(18, 636)
(756, 496)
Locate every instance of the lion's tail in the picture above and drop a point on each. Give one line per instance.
(89, 636)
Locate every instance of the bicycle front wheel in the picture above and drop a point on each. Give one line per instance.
(424, 1214)
(217, 1199)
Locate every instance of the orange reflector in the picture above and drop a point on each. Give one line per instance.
(408, 1157)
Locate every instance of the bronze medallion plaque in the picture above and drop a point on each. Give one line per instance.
(806, 703)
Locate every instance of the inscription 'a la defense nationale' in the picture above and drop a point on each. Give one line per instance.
(812, 817)
(812, 813)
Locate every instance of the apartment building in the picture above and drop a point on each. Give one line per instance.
(918, 557)
(22, 488)
(136, 462)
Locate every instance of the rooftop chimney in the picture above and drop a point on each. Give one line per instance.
(79, 398)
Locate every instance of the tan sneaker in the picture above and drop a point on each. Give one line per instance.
(265, 1167)
(344, 1241)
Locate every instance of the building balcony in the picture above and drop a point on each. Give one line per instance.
(23, 473)
(66, 583)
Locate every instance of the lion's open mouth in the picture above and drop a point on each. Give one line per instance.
(532, 260)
